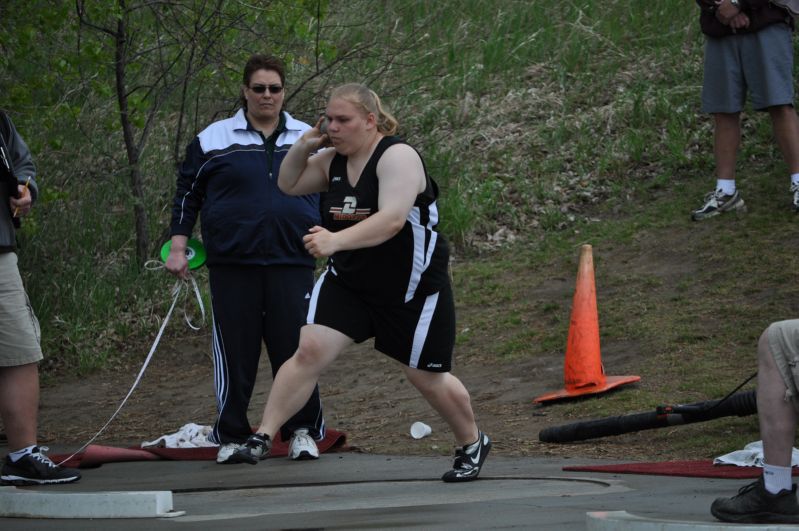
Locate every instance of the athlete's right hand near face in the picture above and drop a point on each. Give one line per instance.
(304, 170)
(316, 137)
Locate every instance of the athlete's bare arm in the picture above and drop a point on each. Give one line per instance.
(401, 175)
(302, 173)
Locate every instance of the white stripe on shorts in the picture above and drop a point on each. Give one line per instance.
(309, 319)
(422, 327)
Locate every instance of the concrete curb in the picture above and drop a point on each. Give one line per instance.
(23, 503)
(623, 521)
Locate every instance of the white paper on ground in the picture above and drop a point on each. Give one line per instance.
(188, 436)
(751, 455)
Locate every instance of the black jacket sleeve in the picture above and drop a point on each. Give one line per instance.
(23, 170)
(20, 155)
(190, 190)
(761, 13)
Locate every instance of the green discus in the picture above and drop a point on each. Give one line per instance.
(195, 252)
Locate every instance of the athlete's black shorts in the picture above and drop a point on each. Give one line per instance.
(419, 333)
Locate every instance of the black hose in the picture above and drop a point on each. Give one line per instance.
(741, 404)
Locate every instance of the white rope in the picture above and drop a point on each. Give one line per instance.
(155, 265)
(177, 290)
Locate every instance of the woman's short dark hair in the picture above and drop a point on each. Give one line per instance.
(262, 62)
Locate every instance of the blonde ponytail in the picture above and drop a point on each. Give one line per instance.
(365, 98)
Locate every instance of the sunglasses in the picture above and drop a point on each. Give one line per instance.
(273, 89)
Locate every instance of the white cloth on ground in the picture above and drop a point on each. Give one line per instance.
(189, 436)
(751, 455)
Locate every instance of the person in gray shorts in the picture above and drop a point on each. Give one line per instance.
(772, 498)
(26, 462)
(748, 49)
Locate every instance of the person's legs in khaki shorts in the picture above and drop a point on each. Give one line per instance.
(772, 498)
(777, 394)
(19, 328)
(19, 356)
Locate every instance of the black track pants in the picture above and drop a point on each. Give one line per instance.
(251, 305)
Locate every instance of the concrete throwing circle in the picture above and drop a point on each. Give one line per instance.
(287, 499)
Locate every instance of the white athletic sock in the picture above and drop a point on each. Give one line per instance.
(19, 454)
(794, 179)
(776, 478)
(726, 185)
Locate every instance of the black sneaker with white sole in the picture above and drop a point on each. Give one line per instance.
(469, 460)
(256, 447)
(36, 468)
(755, 505)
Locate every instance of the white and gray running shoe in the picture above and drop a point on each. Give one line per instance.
(302, 446)
(795, 197)
(256, 447)
(224, 453)
(717, 203)
(469, 460)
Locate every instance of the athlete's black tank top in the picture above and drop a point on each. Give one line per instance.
(412, 263)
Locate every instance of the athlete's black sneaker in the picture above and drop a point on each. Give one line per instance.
(754, 504)
(256, 447)
(36, 469)
(468, 463)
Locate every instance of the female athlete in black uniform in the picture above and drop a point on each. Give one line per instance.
(386, 275)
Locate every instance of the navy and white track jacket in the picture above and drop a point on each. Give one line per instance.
(229, 177)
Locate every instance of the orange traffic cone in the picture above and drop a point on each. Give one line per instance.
(582, 370)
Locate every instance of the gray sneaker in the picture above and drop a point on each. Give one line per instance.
(795, 197)
(256, 447)
(36, 469)
(754, 504)
(717, 203)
